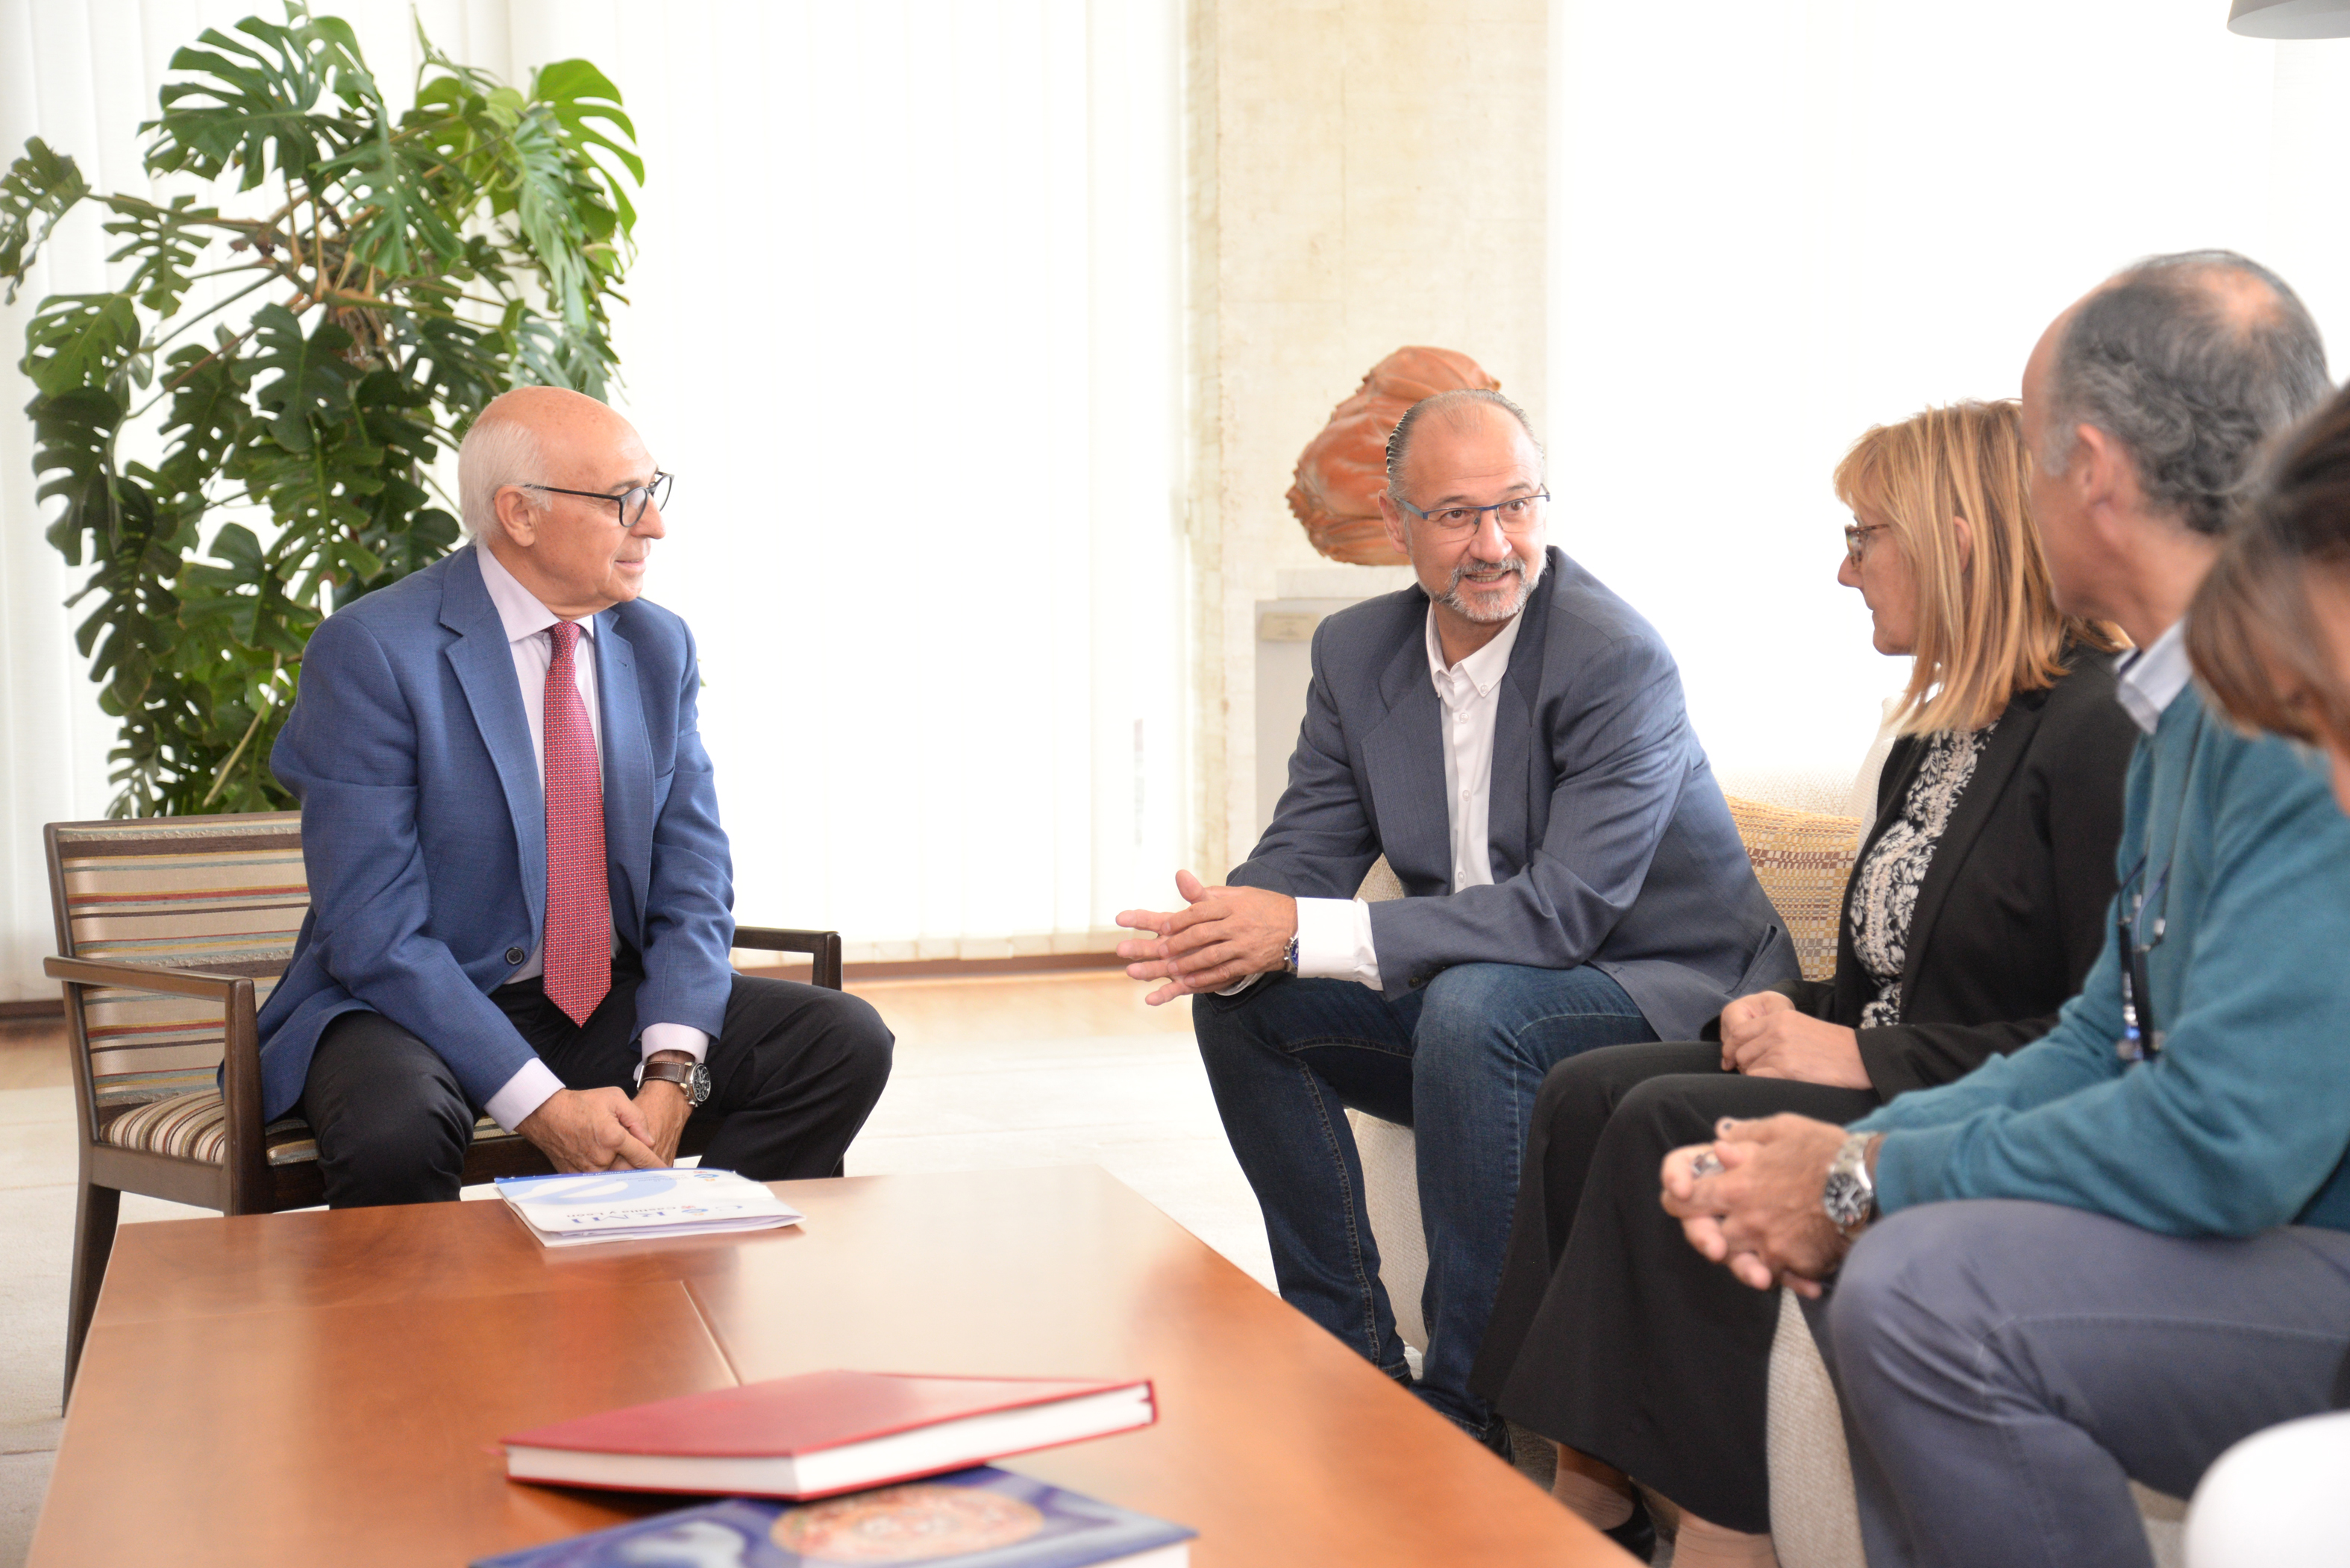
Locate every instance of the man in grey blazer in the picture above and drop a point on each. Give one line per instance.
(1512, 736)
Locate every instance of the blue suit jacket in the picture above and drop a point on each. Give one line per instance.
(424, 827)
(1610, 843)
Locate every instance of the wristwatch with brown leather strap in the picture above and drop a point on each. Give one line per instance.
(690, 1077)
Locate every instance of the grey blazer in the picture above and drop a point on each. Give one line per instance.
(1611, 844)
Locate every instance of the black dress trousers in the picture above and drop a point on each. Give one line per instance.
(1611, 1333)
(793, 1071)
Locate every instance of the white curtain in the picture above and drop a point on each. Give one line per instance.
(905, 323)
(1776, 223)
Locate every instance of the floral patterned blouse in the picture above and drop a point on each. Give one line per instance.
(1884, 885)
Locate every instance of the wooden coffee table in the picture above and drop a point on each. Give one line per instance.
(331, 1389)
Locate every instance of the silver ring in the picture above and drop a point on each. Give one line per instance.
(1707, 1163)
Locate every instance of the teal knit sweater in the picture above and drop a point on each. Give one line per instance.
(2242, 1123)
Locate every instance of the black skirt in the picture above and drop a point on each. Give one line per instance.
(1611, 1334)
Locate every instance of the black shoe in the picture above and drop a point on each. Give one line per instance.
(1638, 1534)
(1496, 1437)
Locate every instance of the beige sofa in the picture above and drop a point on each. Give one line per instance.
(1802, 859)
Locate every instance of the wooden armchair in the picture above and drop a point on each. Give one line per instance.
(171, 931)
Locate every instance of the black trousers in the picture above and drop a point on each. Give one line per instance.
(1611, 1333)
(794, 1072)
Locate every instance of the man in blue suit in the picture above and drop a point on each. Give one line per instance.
(1510, 736)
(519, 893)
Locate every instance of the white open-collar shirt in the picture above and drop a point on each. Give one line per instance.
(528, 625)
(2150, 679)
(1333, 935)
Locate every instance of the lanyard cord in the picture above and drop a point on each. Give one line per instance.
(2140, 1038)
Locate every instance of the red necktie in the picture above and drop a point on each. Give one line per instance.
(578, 898)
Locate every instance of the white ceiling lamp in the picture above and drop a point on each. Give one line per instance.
(2290, 18)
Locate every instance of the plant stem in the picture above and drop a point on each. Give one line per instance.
(163, 342)
(219, 775)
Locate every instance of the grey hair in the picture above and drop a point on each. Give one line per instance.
(1399, 439)
(2190, 381)
(499, 450)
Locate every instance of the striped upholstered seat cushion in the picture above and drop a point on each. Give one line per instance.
(195, 1126)
(1803, 858)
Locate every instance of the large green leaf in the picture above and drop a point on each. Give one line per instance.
(583, 97)
(314, 379)
(39, 190)
(398, 226)
(454, 363)
(73, 442)
(208, 416)
(80, 340)
(163, 244)
(256, 106)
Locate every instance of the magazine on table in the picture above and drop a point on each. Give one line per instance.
(982, 1518)
(630, 1205)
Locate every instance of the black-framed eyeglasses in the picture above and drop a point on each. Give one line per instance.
(1855, 538)
(628, 506)
(2141, 1038)
(1516, 515)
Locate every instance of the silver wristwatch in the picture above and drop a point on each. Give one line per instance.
(690, 1077)
(1850, 1197)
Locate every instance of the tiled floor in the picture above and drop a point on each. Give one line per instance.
(990, 1074)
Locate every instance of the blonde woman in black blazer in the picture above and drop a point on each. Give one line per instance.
(1977, 905)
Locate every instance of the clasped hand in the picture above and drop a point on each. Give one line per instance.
(1762, 1213)
(1764, 1037)
(1224, 937)
(600, 1129)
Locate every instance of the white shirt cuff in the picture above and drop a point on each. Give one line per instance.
(1333, 940)
(682, 1037)
(523, 1093)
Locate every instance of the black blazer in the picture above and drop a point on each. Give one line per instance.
(2013, 907)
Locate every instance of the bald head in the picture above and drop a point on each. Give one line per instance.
(561, 489)
(1465, 411)
(534, 435)
(2189, 362)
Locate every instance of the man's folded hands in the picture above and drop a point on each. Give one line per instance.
(1221, 938)
(592, 1129)
(1762, 1213)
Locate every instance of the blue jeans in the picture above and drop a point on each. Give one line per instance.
(1459, 1061)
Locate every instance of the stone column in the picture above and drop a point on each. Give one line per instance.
(1363, 174)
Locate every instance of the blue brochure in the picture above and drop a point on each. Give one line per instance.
(981, 1518)
(630, 1205)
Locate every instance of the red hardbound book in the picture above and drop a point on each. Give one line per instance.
(823, 1432)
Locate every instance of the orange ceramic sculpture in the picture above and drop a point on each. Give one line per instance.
(1342, 470)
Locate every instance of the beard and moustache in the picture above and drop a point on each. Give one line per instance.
(1490, 612)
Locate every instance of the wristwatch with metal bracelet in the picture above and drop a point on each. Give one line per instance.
(1850, 1196)
(690, 1077)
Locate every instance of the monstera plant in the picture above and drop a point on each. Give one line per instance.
(242, 436)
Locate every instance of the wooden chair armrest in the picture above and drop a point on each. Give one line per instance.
(823, 946)
(248, 1153)
(130, 976)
